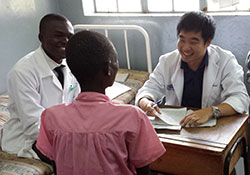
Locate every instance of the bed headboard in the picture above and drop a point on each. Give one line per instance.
(123, 28)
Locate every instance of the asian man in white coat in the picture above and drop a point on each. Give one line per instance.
(33, 85)
(197, 74)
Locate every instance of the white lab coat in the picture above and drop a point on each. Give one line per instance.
(222, 81)
(32, 87)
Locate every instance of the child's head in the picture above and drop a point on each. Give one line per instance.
(92, 59)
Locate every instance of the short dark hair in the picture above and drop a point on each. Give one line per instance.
(197, 21)
(87, 53)
(48, 18)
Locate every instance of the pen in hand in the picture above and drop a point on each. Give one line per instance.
(161, 101)
(158, 102)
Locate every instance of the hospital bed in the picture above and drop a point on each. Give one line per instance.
(135, 79)
(11, 164)
(124, 35)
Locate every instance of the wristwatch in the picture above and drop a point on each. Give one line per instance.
(216, 111)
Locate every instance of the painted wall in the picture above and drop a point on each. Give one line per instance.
(19, 30)
(232, 31)
(20, 19)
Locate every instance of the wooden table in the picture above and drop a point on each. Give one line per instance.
(205, 151)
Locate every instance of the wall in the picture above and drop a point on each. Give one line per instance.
(232, 31)
(19, 30)
(20, 18)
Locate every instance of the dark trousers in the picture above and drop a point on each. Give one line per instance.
(44, 158)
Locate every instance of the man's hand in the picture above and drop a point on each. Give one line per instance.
(197, 117)
(203, 115)
(146, 105)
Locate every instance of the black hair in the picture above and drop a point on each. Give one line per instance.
(197, 21)
(48, 18)
(87, 53)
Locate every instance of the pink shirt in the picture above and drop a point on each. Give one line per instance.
(95, 136)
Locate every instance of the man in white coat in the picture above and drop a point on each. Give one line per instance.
(33, 86)
(197, 74)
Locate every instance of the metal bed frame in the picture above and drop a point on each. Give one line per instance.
(124, 28)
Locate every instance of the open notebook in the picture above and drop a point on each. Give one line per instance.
(116, 89)
(171, 117)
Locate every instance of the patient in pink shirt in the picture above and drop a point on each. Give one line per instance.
(93, 135)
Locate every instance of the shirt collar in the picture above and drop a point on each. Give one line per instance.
(92, 97)
(52, 64)
(204, 62)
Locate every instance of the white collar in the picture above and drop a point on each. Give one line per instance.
(52, 64)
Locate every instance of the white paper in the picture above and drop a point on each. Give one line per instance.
(121, 77)
(116, 89)
(159, 124)
(168, 127)
(173, 116)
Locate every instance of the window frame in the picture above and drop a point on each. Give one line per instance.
(145, 11)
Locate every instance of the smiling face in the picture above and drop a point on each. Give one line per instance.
(192, 48)
(55, 37)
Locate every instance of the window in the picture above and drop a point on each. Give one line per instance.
(172, 5)
(162, 6)
(111, 6)
(228, 5)
(117, 5)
